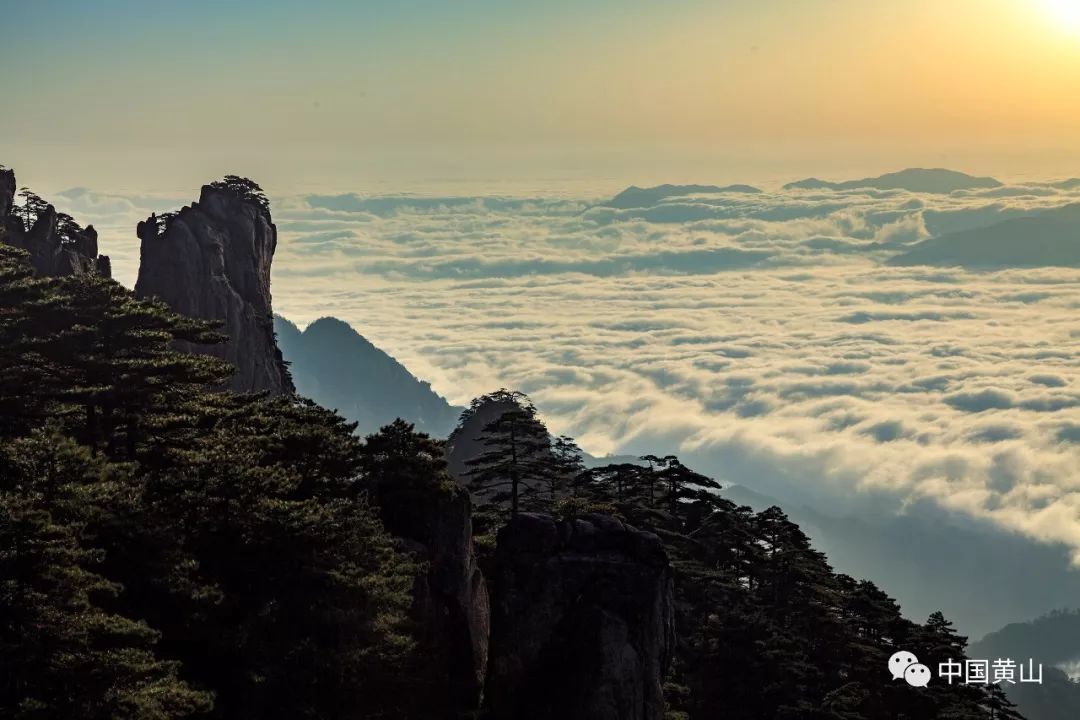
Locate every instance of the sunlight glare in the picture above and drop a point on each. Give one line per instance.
(1066, 13)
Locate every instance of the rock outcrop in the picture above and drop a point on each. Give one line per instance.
(7, 192)
(56, 244)
(212, 261)
(451, 609)
(582, 621)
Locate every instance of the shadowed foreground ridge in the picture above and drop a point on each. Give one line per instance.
(211, 261)
(583, 621)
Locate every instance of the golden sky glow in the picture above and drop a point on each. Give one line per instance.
(340, 93)
(1067, 12)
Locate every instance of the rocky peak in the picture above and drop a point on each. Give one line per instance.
(56, 244)
(211, 260)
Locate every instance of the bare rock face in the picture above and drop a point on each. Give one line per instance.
(55, 249)
(212, 261)
(582, 621)
(7, 192)
(451, 609)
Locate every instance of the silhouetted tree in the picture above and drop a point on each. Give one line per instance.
(564, 467)
(243, 188)
(223, 539)
(515, 456)
(999, 706)
(62, 654)
(403, 469)
(33, 206)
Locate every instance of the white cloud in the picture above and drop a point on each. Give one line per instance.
(760, 335)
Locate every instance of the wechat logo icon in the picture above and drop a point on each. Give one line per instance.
(906, 666)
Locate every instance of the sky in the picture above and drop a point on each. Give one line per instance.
(493, 94)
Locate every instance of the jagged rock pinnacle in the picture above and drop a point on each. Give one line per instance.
(54, 249)
(212, 261)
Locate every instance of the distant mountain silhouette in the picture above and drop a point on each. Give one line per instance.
(935, 180)
(1052, 639)
(1051, 238)
(336, 367)
(636, 197)
(929, 560)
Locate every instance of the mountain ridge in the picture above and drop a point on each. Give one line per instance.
(927, 180)
(637, 197)
(1047, 238)
(339, 368)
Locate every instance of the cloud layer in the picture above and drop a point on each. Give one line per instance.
(761, 335)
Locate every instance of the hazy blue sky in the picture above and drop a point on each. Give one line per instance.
(336, 94)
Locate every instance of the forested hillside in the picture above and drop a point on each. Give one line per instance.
(169, 551)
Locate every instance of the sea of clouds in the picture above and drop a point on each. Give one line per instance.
(761, 336)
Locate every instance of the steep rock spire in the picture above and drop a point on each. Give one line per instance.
(211, 261)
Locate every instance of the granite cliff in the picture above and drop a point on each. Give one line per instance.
(56, 243)
(584, 607)
(211, 260)
(451, 607)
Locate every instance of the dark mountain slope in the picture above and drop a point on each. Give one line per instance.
(930, 560)
(1050, 238)
(1052, 639)
(636, 197)
(338, 368)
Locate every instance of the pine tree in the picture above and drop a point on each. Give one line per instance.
(679, 484)
(564, 467)
(515, 459)
(405, 472)
(62, 654)
(237, 527)
(85, 351)
(998, 705)
(32, 208)
(299, 600)
(618, 483)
